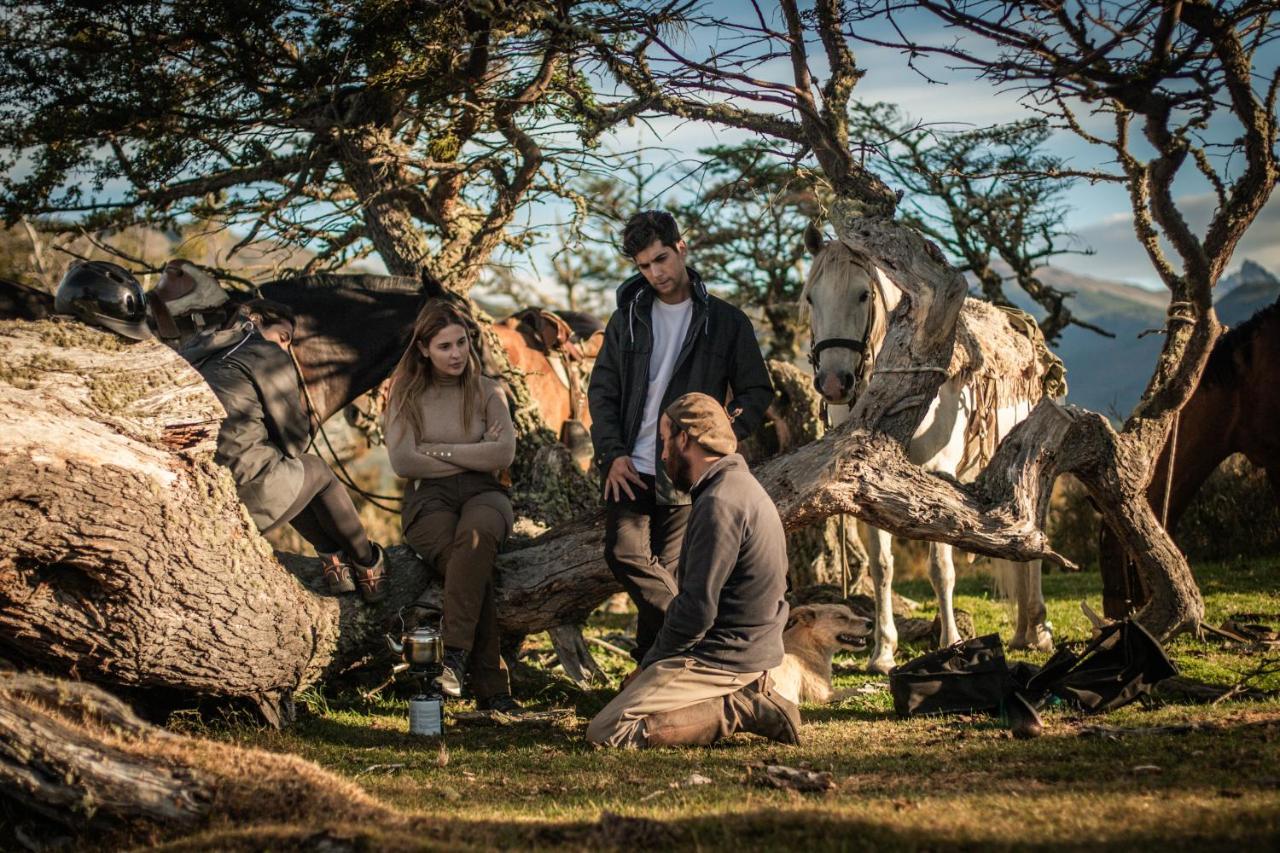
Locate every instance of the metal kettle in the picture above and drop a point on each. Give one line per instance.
(421, 647)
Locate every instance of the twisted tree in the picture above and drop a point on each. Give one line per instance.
(982, 195)
(410, 131)
(1165, 70)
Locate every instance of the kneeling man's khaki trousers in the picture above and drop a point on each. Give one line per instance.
(666, 685)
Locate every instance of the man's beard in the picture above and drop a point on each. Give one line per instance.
(678, 472)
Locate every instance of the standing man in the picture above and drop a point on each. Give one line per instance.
(706, 675)
(667, 337)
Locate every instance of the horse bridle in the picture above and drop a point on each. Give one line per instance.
(858, 345)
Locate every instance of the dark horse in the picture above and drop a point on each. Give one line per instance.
(351, 330)
(1235, 409)
(23, 302)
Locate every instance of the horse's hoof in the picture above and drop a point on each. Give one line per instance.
(1042, 642)
(880, 666)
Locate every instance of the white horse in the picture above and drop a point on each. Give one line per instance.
(849, 301)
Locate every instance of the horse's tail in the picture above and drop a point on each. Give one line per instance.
(1002, 573)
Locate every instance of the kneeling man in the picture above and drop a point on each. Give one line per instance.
(706, 675)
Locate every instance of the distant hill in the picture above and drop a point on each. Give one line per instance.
(1108, 375)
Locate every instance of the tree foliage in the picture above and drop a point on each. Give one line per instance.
(984, 195)
(408, 129)
(746, 226)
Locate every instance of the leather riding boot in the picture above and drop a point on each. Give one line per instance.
(700, 724)
(761, 710)
(454, 675)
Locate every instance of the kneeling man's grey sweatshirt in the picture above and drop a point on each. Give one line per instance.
(730, 609)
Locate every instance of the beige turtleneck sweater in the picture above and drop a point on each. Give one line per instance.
(446, 448)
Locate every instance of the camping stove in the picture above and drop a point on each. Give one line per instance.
(422, 650)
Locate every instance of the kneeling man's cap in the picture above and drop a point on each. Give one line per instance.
(706, 421)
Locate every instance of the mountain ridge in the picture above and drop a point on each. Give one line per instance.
(1108, 375)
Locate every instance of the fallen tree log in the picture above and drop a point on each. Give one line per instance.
(126, 557)
(76, 755)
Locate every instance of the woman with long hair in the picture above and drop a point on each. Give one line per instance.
(449, 433)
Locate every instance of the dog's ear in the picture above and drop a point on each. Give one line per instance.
(803, 615)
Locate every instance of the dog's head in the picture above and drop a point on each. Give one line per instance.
(830, 626)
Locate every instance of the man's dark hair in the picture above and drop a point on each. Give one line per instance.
(645, 227)
(270, 311)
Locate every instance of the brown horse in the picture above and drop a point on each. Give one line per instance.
(556, 363)
(1235, 409)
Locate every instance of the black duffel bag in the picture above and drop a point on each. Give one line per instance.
(1122, 663)
(969, 677)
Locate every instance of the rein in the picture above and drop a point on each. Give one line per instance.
(342, 474)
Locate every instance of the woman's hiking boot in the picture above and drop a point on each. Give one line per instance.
(337, 574)
(503, 703)
(450, 681)
(372, 579)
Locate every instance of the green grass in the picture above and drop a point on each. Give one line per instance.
(938, 782)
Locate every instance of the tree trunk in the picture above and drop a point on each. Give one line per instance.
(373, 165)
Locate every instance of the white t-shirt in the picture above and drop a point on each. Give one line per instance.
(670, 324)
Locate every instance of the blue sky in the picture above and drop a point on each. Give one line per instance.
(1098, 214)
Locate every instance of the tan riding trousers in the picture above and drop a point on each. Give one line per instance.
(666, 685)
(457, 524)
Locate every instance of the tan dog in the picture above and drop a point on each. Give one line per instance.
(814, 633)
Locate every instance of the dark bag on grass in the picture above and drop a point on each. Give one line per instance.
(1121, 664)
(965, 678)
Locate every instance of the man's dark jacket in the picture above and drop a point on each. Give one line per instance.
(732, 576)
(266, 430)
(719, 354)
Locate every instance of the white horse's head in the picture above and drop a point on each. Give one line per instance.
(846, 303)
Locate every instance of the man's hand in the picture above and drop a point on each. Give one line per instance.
(622, 475)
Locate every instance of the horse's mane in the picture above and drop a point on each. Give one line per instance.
(353, 281)
(1221, 369)
(841, 262)
(837, 259)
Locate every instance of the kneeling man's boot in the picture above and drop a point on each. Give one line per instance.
(761, 710)
(700, 724)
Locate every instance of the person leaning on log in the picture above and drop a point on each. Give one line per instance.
(449, 432)
(706, 676)
(667, 337)
(263, 441)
